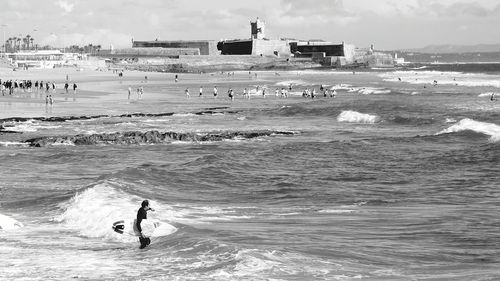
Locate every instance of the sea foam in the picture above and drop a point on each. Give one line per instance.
(93, 211)
(356, 117)
(8, 223)
(467, 124)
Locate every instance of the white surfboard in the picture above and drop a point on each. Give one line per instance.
(150, 228)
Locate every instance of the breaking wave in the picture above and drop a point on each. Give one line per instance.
(8, 223)
(92, 211)
(356, 117)
(467, 124)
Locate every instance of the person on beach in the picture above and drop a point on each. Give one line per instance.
(230, 94)
(215, 92)
(142, 214)
(176, 78)
(187, 93)
(74, 88)
(129, 92)
(66, 85)
(201, 92)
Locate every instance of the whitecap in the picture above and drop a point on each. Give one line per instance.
(8, 223)
(467, 124)
(356, 117)
(93, 211)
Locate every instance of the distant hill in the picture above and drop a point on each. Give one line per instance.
(448, 49)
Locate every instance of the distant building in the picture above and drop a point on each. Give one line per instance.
(257, 45)
(204, 47)
(37, 59)
(324, 52)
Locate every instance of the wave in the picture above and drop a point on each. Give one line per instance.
(93, 211)
(12, 143)
(356, 117)
(8, 223)
(148, 137)
(293, 83)
(488, 94)
(442, 78)
(30, 125)
(467, 124)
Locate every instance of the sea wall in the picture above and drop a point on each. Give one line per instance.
(150, 52)
(218, 63)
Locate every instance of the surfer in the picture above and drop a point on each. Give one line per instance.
(492, 97)
(142, 214)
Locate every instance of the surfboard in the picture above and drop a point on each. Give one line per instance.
(150, 228)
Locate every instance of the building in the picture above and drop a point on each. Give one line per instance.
(257, 45)
(203, 47)
(37, 59)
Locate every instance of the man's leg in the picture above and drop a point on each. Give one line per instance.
(143, 242)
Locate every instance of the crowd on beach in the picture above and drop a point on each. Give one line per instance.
(10, 87)
(264, 92)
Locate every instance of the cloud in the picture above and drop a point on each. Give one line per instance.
(315, 13)
(67, 7)
(454, 9)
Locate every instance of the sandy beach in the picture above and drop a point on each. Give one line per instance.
(105, 93)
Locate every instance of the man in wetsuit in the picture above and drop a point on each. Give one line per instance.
(142, 214)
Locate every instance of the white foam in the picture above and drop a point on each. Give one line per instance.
(30, 126)
(184, 115)
(336, 211)
(293, 83)
(443, 78)
(369, 91)
(356, 117)
(341, 87)
(13, 143)
(488, 94)
(93, 211)
(467, 124)
(364, 90)
(8, 223)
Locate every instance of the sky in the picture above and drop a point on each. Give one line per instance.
(388, 24)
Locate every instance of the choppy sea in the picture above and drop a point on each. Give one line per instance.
(396, 178)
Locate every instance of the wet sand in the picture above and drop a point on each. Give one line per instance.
(104, 92)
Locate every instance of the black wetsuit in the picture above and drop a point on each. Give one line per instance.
(142, 214)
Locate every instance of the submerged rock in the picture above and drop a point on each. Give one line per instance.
(148, 137)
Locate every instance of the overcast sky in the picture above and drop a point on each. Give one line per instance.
(389, 24)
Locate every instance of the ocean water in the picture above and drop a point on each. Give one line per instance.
(393, 179)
